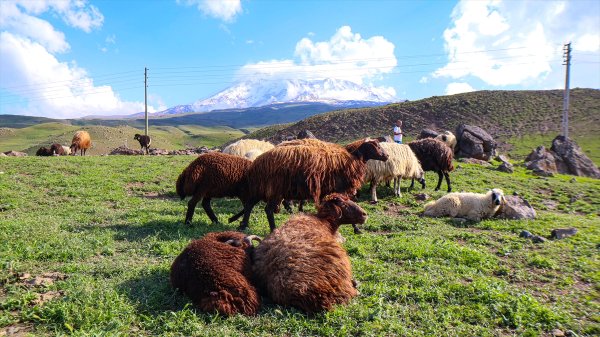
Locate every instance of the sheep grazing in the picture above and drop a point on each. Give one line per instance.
(211, 175)
(43, 152)
(216, 271)
(435, 156)
(66, 150)
(401, 163)
(305, 172)
(301, 264)
(57, 150)
(243, 146)
(144, 142)
(448, 138)
(472, 206)
(81, 142)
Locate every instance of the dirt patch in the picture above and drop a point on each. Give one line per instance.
(44, 280)
(156, 195)
(133, 186)
(395, 209)
(16, 330)
(550, 204)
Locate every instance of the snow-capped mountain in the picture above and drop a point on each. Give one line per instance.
(255, 93)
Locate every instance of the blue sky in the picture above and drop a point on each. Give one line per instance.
(71, 58)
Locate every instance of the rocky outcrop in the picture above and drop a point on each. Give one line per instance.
(516, 208)
(427, 133)
(123, 150)
(474, 142)
(565, 157)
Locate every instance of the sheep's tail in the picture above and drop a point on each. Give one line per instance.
(248, 239)
(180, 185)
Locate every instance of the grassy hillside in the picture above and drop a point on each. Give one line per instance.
(507, 115)
(105, 138)
(111, 226)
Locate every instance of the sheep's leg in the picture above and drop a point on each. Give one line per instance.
(412, 184)
(248, 206)
(373, 190)
(270, 210)
(397, 190)
(440, 177)
(356, 229)
(209, 211)
(287, 204)
(448, 181)
(191, 207)
(301, 206)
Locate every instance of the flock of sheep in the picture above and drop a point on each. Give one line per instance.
(301, 263)
(81, 142)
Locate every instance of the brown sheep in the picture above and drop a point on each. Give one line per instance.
(302, 264)
(81, 142)
(216, 271)
(434, 155)
(57, 150)
(43, 152)
(305, 172)
(144, 141)
(211, 175)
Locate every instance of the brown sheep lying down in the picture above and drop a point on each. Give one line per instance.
(301, 264)
(43, 152)
(215, 272)
(211, 175)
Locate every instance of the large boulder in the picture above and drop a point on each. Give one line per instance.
(474, 142)
(516, 208)
(427, 133)
(124, 150)
(573, 158)
(564, 157)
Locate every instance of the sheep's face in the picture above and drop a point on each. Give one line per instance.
(346, 211)
(73, 148)
(137, 136)
(497, 196)
(371, 149)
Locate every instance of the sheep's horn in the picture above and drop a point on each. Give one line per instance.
(248, 239)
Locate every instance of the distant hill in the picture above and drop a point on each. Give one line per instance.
(508, 115)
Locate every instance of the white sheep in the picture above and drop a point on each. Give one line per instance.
(401, 163)
(472, 206)
(67, 150)
(448, 138)
(252, 154)
(243, 146)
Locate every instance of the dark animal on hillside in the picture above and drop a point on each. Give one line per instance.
(81, 142)
(216, 273)
(301, 263)
(57, 150)
(211, 175)
(434, 155)
(43, 152)
(144, 141)
(305, 134)
(297, 172)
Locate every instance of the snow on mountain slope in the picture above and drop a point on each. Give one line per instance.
(256, 93)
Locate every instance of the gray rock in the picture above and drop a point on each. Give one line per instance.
(502, 158)
(525, 234)
(474, 142)
(474, 161)
(124, 150)
(516, 208)
(427, 133)
(574, 159)
(304, 134)
(558, 333)
(506, 167)
(15, 154)
(538, 239)
(421, 196)
(561, 233)
(573, 180)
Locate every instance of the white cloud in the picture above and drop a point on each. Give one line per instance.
(516, 42)
(424, 80)
(34, 81)
(458, 87)
(225, 10)
(345, 55)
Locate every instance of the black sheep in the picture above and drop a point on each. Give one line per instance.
(144, 141)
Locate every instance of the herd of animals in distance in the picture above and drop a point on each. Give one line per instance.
(301, 263)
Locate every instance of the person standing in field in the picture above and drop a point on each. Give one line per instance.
(398, 132)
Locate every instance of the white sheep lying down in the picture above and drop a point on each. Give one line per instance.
(401, 163)
(472, 206)
(242, 147)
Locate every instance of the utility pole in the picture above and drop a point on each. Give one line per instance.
(567, 62)
(146, 99)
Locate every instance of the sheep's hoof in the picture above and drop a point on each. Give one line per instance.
(188, 223)
(357, 231)
(449, 190)
(373, 202)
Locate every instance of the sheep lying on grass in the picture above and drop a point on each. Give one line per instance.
(434, 155)
(81, 142)
(472, 206)
(57, 150)
(298, 172)
(43, 152)
(301, 264)
(216, 271)
(401, 163)
(66, 150)
(211, 175)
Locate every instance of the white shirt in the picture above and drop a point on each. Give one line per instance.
(397, 129)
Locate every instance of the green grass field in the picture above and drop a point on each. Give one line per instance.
(106, 138)
(111, 226)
